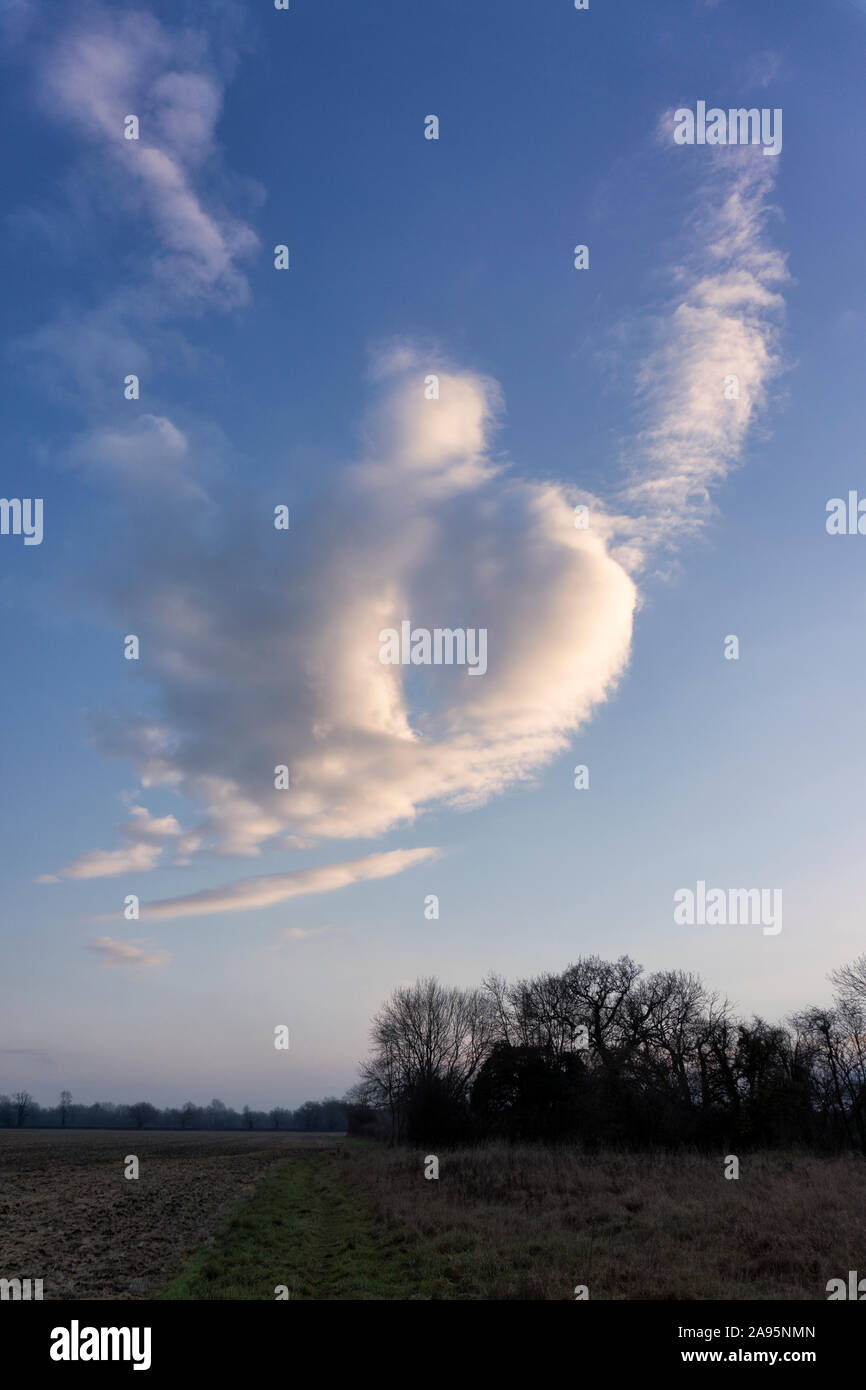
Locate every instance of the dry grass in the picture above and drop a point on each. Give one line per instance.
(529, 1223)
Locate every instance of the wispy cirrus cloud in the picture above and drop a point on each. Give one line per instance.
(268, 889)
(722, 327)
(126, 953)
(93, 66)
(103, 65)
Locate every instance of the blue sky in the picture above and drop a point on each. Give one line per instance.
(303, 387)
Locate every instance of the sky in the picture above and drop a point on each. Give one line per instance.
(308, 388)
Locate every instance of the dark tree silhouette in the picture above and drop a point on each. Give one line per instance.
(23, 1102)
(65, 1107)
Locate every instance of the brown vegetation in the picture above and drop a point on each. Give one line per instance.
(526, 1222)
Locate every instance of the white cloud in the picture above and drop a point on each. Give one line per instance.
(724, 323)
(151, 455)
(103, 863)
(268, 889)
(165, 194)
(274, 657)
(107, 65)
(126, 953)
(146, 837)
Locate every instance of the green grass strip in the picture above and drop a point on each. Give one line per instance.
(300, 1227)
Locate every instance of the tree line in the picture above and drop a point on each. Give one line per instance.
(22, 1110)
(608, 1055)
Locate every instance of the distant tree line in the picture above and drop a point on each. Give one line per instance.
(608, 1055)
(22, 1110)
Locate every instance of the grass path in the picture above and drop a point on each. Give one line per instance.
(300, 1227)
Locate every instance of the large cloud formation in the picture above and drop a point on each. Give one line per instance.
(264, 646)
(270, 655)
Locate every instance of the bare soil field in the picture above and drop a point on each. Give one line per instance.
(68, 1215)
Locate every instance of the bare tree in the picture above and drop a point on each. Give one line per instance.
(22, 1101)
(850, 981)
(603, 1051)
(427, 1040)
(65, 1105)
